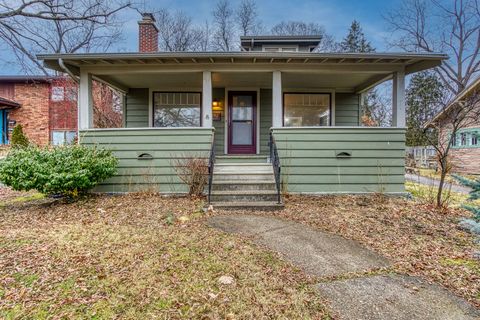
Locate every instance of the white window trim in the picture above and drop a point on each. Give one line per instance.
(315, 90)
(265, 47)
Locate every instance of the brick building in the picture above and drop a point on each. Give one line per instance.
(46, 107)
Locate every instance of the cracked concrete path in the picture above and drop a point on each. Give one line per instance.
(397, 297)
(318, 253)
(367, 297)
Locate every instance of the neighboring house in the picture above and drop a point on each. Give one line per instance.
(46, 107)
(181, 104)
(464, 154)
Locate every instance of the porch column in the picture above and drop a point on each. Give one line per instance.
(277, 115)
(207, 99)
(398, 99)
(85, 101)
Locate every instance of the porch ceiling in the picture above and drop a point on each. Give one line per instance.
(193, 80)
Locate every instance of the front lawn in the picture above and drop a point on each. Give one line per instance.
(147, 256)
(138, 257)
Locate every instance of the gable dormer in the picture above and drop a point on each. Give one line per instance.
(280, 43)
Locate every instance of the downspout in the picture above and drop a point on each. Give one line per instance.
(77, 81)
(67, 71)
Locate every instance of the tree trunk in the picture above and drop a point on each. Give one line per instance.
(443, 174)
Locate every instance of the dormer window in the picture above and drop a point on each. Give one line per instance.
(274, 43)
(280, 49)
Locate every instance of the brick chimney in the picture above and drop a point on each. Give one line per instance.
(147, 34)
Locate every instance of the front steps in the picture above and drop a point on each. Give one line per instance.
(244, 184)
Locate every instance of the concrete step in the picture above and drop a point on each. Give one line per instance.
(244, 196)
(243, 185)
(241, 159)
(260, 205)
(243, 169)
(243, 176)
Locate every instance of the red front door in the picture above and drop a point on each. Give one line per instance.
(242, 122)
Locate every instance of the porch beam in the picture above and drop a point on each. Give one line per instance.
(277, 115)
(111, 83)
(207, 100)
(372, 82)
(398, 99)
(85, 101)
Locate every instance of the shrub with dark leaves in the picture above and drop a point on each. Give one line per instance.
(65, 170)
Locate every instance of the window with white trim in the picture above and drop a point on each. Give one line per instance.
(58, 94)
(280, 49)
(176, 109)
(306, 109)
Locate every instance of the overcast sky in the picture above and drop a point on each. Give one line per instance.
(335, 15)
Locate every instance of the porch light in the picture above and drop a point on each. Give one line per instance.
(216, 105)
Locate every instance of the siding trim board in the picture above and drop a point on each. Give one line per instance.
(310, 164)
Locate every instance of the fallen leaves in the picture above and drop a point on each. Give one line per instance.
(417, 238)
(140, 256)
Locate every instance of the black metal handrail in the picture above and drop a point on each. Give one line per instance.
(275, 161)
(211, 165)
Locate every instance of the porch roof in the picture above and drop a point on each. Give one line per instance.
(413, 62)
(370, 68)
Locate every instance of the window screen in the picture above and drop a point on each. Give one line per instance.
(177, 109)
(306, 109)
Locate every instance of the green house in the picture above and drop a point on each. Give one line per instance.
(276, 115)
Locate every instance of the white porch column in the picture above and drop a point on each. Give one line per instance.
(277, 107)
(207, 99)
(85, 101)
(398, 99)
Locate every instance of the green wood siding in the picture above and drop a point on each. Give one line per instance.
(265, 119)
(310, 165)
(165, 145)
(219, 94)
(347, 109)
(136, 108)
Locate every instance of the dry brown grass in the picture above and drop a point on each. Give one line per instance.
(418, 239)
(138, 256)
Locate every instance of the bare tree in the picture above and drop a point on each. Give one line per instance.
(247, 18)
(450, 26)
(30, 27)
(460, 114)
(224, 33)
(297, 28)
(177, 32)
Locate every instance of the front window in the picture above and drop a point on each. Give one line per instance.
(306, 109)
(176, 109)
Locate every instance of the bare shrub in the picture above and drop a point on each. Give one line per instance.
(193, 171)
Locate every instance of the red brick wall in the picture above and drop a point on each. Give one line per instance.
(465, 160)
(33, 115)
(63, 114)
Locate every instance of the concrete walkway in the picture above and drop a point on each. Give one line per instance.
(366, 297)
(433, 182)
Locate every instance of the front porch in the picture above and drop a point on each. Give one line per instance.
(180, 104)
